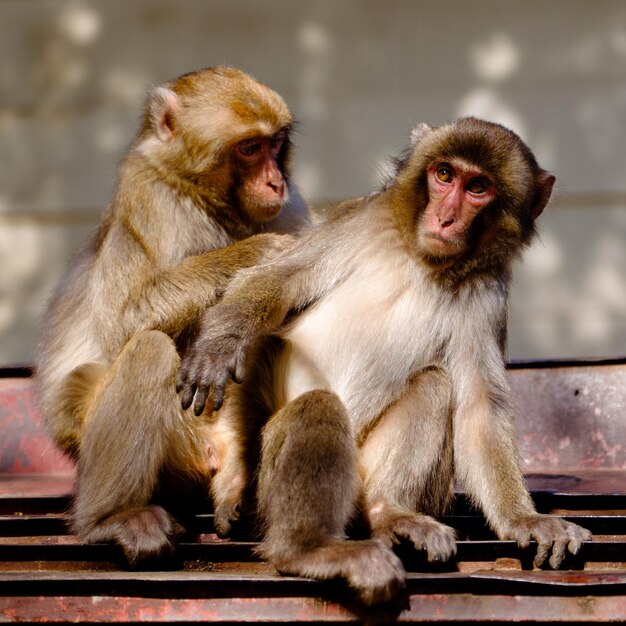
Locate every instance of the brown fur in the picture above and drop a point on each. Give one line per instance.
(393, 331)
(180, 225)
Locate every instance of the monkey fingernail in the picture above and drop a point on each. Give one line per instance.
(187, 398)
(201, 398)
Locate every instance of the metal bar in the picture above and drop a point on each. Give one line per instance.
(217, 584)
(33, 505)
(475, 526)
(443, 608)
(544, 500)
(469, 526)
(230, 551)
(518, 364)
(547, 501)
(33, 525)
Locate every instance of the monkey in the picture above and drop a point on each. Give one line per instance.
(203, 191)
(384, 378)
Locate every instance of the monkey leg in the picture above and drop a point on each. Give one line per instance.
(232, 472)
(308, 485)
(408, 470)
(246, 410)
(130, 423)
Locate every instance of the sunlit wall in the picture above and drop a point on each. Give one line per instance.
(358, 75)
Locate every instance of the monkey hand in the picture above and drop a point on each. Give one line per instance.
(552, 534)
(208, 364)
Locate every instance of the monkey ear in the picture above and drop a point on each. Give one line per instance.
(164, 106)
(545, 182)
(419, 132)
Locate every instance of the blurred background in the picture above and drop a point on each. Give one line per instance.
(358, 74)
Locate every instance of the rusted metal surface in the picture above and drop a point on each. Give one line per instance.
(463, 608)
(25, 447)
(573, 446)
(571, 417)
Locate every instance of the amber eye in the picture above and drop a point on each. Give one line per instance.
(477, 185)
(249, 147)
(444, 173)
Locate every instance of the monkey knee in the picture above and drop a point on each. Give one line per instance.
(149, 355)
(318, 408)
(435, 390)
(316, 424)
(151, 344)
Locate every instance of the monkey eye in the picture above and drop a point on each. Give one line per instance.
(477, 185)
(444, 173)
(276, 142)
(249, 147)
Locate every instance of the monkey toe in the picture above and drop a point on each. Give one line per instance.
(381, 580)
(144, 534)
(426, 533)
(371, 569)
(223, 518)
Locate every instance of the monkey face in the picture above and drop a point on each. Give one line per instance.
(263, 189)
(458, 192)
(479, 192)
(224, 138)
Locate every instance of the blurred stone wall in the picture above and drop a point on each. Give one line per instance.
(358, 74)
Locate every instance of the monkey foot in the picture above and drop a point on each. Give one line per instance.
(145, 533)
(369, 567)
(224, 516)
(423, 531)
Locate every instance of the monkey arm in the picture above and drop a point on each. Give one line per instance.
(485, 454)
(484, 447)
(255, 305)
(169, 301)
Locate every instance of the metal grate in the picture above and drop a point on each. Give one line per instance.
(46, 575)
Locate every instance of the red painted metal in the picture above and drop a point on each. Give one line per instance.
(433, 608)
(25, 447)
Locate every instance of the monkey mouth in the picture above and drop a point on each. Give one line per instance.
(439, 246)
(266, 210)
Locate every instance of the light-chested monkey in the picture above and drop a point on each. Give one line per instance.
(385, 372)
(205, 177)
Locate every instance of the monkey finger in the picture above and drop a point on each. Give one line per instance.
(185, 375)
(186, 399)
(543, 549)
(218, 398)
(522, 539)
(218, 392)
(239, 372)
(181, 380)
(202, 393)
(576, 541)
(558, 554)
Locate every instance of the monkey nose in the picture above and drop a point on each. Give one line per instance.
(277, 188)
(446, 220)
